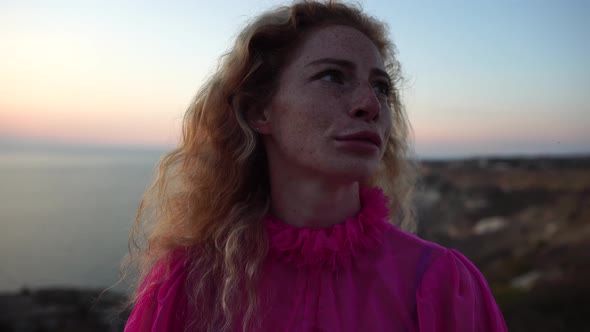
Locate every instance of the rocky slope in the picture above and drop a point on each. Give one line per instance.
(526, 224)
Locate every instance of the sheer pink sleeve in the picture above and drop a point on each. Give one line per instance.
(160, 306)
(454, 296)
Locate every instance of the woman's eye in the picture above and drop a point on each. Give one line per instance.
(382, 88)
(331, 76)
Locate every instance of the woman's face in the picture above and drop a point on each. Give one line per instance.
(329, 116)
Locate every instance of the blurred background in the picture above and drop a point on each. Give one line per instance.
(92, 93)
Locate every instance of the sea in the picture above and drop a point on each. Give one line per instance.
(66, 212)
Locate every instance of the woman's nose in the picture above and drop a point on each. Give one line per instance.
(365, 104)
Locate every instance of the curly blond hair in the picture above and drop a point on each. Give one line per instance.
(212, 191)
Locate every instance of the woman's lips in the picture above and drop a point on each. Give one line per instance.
(364, 142)
(364, 137)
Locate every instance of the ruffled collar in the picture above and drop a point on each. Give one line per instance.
(335, 245)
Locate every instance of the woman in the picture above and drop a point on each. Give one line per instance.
(272, 214)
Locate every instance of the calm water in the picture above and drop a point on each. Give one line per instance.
(66, 212)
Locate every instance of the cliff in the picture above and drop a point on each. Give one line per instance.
(526, 224)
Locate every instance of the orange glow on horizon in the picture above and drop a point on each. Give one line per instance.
(89, 127)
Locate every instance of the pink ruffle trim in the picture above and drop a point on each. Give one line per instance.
(335, 245)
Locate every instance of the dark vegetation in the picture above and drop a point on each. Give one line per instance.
(63, 310)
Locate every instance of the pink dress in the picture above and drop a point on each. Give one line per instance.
(361, 275)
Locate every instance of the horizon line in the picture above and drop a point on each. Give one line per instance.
(48, 143)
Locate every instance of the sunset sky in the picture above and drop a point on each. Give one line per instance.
(482, 77)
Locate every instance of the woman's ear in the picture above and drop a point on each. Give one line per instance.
(259, 120)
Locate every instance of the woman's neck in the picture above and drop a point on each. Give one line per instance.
(308, 203)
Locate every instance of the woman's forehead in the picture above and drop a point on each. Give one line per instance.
(338, 42)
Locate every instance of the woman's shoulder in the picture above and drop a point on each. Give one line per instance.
(451, 293)
(454, 296)
(161, 297)
(167, 271)
(436, 260)
(411, 247)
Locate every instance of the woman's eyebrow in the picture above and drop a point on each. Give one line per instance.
(332, 61)
(349, 65)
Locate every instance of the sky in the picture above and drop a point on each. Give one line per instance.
(481, 77)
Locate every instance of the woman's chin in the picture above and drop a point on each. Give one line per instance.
(353, 173)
